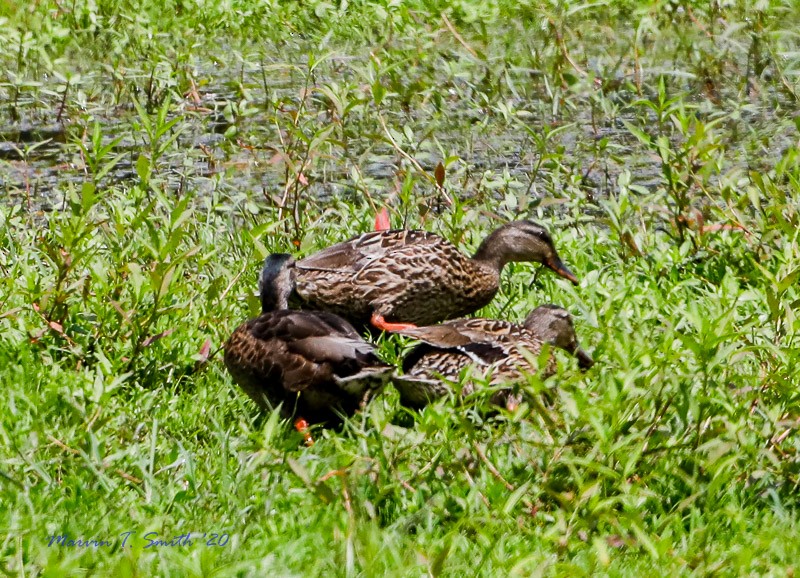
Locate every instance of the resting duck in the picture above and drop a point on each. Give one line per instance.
(399, 279)
(502, 350)
(315, 363)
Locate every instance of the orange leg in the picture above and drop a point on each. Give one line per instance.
(378, 321)
(382, 220)
(301, 425)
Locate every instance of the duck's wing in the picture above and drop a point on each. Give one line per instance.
(308, 345)
(485, 353)
(483, 329)
(357, 253)
(336, 325)
(347, 353)
(322, 336)
(443, 336)
(354, 362)
(475, 352)
(483, 341)
(461, 332)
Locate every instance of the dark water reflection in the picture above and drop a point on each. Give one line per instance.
(232, 128)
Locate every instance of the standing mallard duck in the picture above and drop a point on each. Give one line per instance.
(503, 350)
(315, 363)
(399, 279)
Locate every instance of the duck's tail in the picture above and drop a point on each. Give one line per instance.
(417, 392)
(372, 378)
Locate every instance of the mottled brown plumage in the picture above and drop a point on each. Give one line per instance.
(415, 276)
(501, 351)
(314, 363)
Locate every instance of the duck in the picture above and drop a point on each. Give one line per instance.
(399, 279)
(504, 352)
(312, 363)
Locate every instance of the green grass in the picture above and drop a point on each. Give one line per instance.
(659, 143)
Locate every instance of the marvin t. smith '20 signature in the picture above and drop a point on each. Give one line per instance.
(187, 540)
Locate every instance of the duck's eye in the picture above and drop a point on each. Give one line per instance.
(542, 235)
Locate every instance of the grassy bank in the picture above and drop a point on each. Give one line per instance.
(155, 153)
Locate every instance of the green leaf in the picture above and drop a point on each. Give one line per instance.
(143, 169)
(378, 92)
(514, 498)
(87, 196)
(643, 137)
(788, 280)
(320, 489)
(441, 557)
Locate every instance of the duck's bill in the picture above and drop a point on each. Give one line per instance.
(585, 360)
(556, 265)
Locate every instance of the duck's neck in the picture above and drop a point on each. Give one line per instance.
(272, 300)
(489, 255)
(276, 283)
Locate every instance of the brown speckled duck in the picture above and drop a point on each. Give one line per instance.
(399, 279)
(502, 350)
(315, 363)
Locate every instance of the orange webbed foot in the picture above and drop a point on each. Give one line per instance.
(378, 321)
(301, 425)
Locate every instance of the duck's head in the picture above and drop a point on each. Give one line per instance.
(276, 282)
(523, 241)
(553, 325)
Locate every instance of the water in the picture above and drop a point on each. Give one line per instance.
(234, 129)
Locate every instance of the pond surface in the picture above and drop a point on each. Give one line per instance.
(237, 124)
